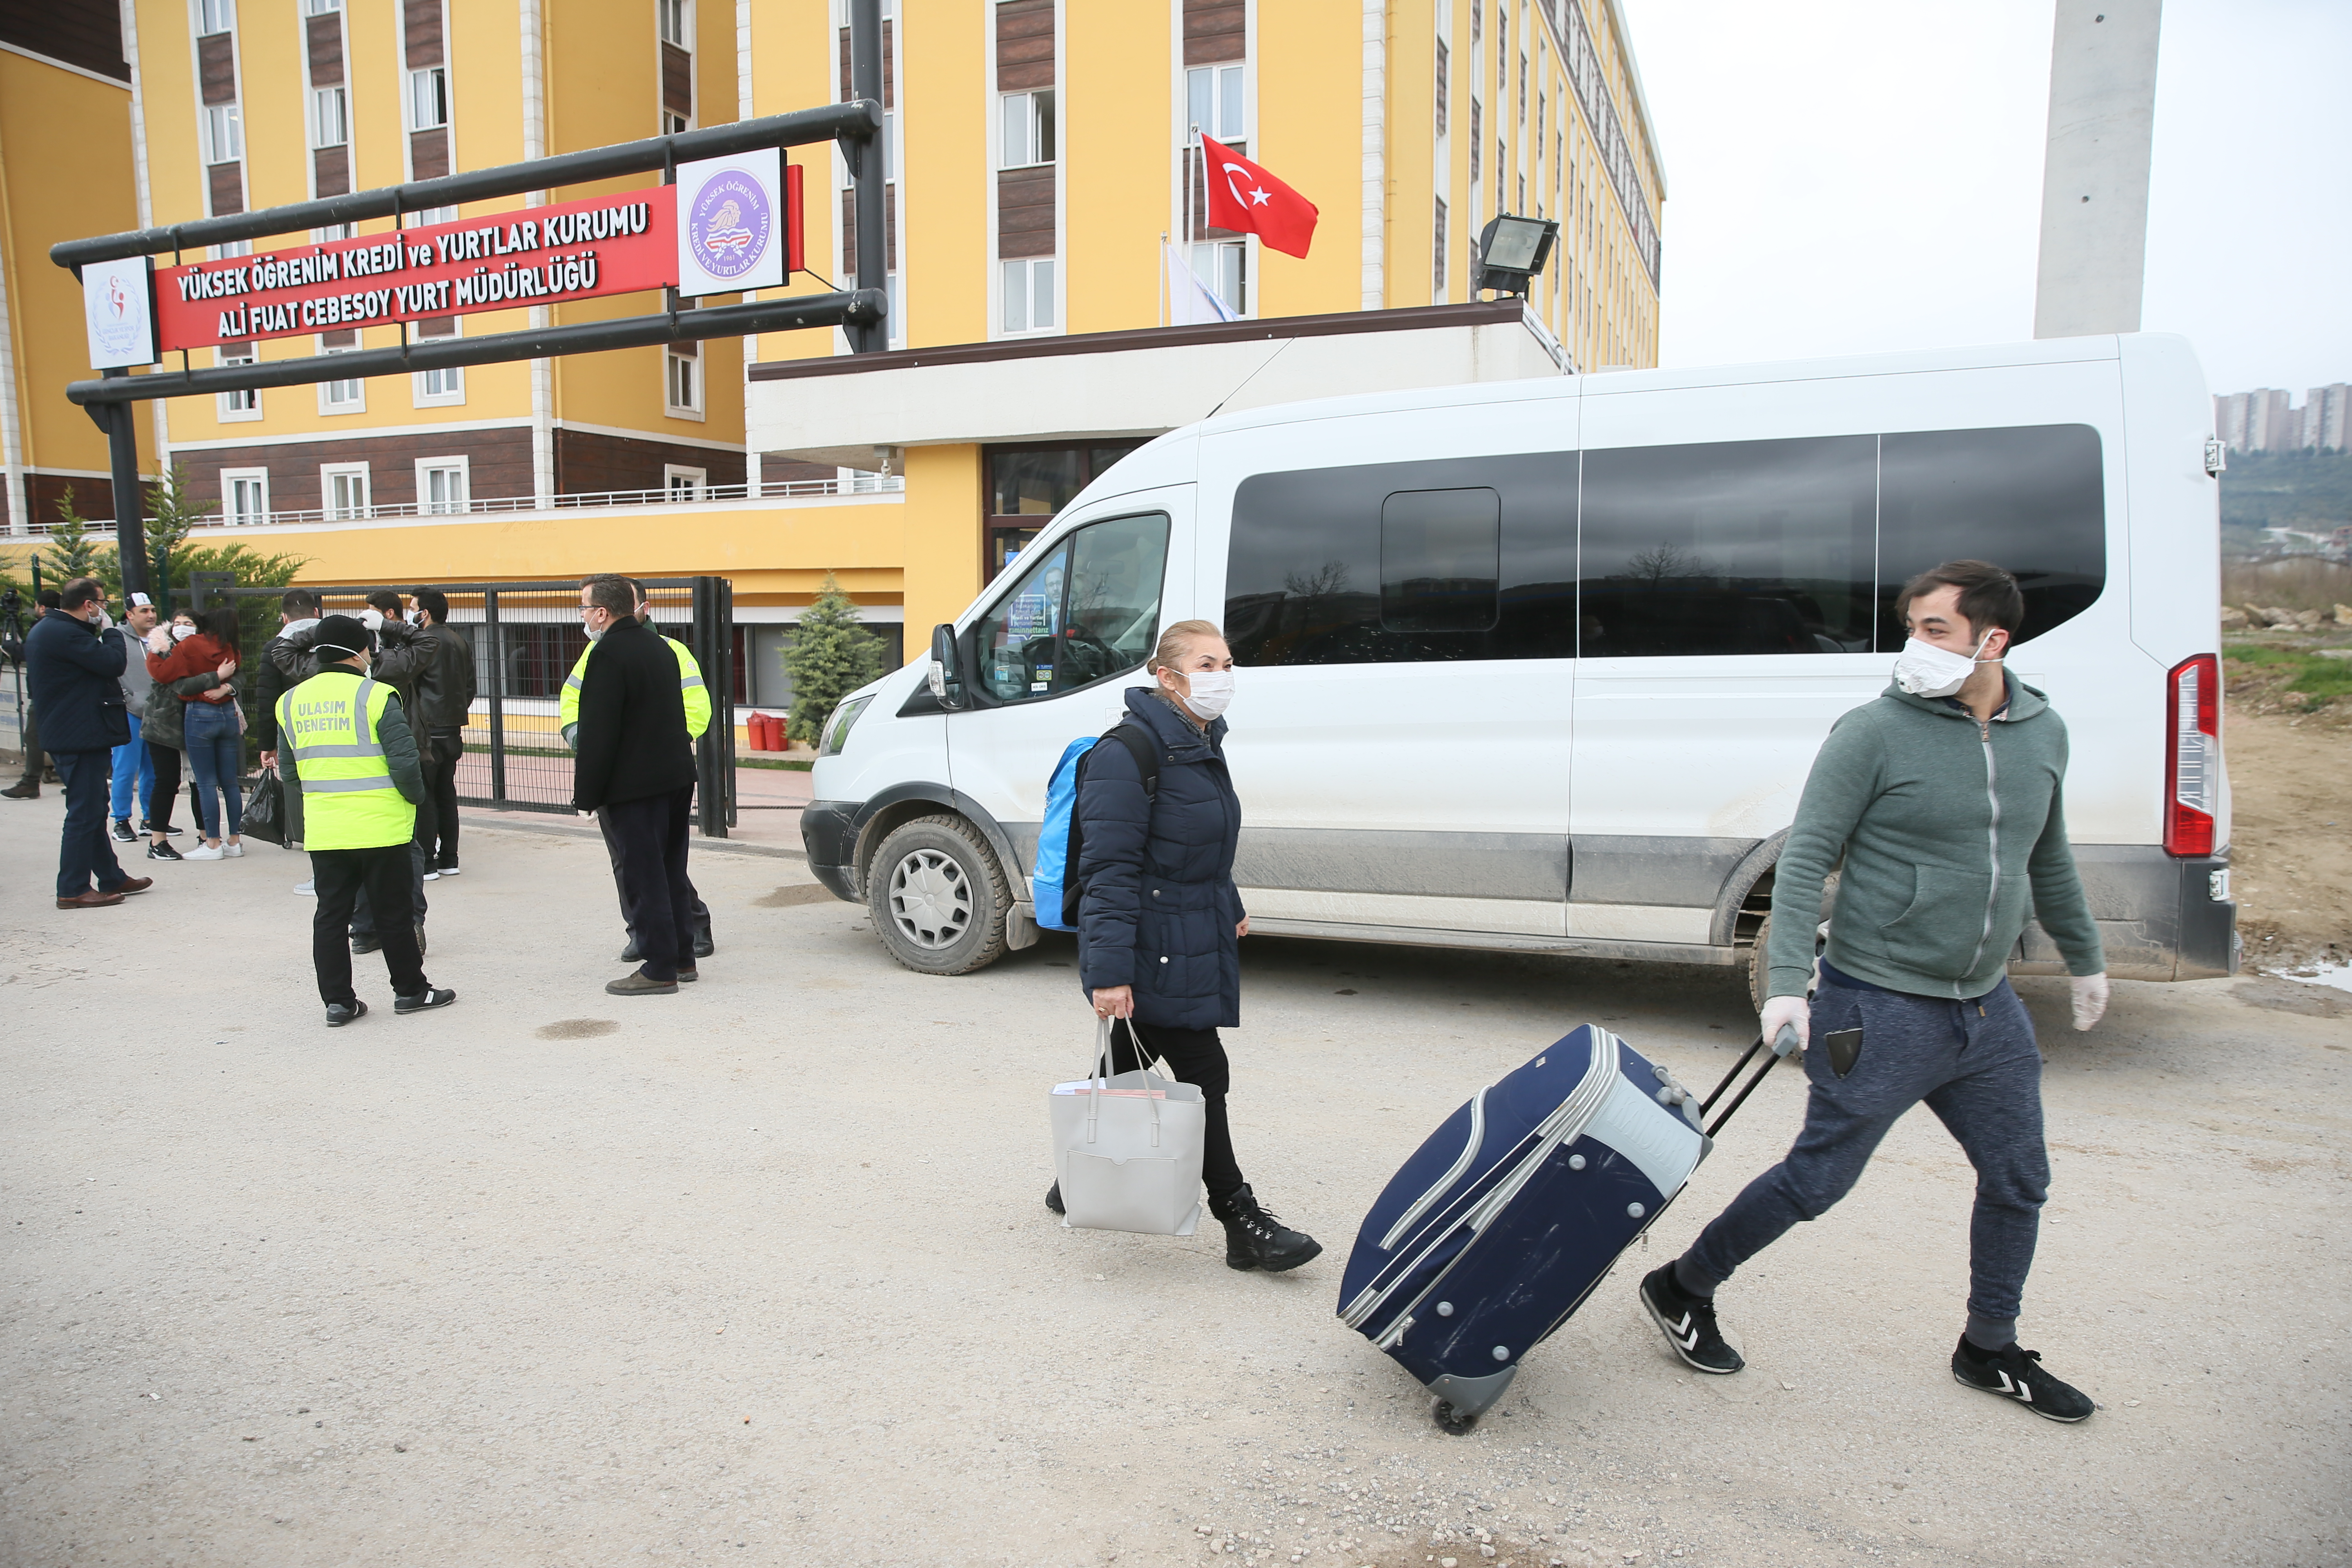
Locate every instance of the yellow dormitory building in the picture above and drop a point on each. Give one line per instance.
(1057, 296)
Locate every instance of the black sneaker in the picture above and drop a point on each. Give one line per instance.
(1257, 1239)
(367, 943)
(164, 852)
(341, 1013)
(1688, 1323)
(122, 834)
(431, 997)
(1054, 1199)
(2015, 1373)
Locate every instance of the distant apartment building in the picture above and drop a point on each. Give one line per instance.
(2265, 421)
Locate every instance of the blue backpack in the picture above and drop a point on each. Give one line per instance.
(1059, 836)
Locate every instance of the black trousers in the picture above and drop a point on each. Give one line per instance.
(647, 839)
(441, 790)
(363, 921)
(700, 928)
(166, 792)
(340, 875)
(1196, 1056)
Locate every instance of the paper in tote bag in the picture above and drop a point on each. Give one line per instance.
(1127, 1148)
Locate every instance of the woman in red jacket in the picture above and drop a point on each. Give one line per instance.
(215, 732)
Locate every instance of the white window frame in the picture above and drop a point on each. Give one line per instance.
(338, 511)
(428, 93)
(677, 12)
(1227, 82)
(1021, 281)
(1223, 267)
(331, 117)
(321, 7)
(223, 125)
(215, 16)
(237, 408)
(425, 468)
(697, 481)
(1019, 138)
(452, 395)
(233, 515)
(347, 395)
(671, 360)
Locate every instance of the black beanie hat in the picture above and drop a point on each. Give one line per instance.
(341, 636)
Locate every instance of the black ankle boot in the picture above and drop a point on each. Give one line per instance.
(1256, 1239)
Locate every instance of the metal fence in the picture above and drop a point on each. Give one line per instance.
(525, 639)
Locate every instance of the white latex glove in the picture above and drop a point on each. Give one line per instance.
(372, 618)
(1791, 1011)
(2090, 999)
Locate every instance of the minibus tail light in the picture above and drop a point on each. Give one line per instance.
(2192, 794)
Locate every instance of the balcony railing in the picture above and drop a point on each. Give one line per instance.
(778, 490)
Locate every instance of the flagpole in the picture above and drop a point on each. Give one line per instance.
(1162, 270)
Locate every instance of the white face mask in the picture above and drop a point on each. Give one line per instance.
(1923, 669)
(595, 633)
(1212, 694)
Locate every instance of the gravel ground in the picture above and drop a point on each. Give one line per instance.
(758, 1273)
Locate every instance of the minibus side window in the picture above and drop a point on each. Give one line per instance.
(1441, 561)
(1728, 547)
(1087, 609)
(2030, 498)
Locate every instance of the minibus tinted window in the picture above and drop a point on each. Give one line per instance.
(1441, 561)
(1732, 547)
(1086, 609)
(2030, 498)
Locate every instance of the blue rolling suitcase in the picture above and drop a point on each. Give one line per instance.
(1496, 1231)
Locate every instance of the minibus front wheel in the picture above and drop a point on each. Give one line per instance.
(938, 896)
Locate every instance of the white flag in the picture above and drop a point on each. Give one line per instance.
(1190, 302)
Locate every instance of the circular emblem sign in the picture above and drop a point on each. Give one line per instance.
(729, 223)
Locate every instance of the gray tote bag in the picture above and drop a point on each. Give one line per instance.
(1127, 1148)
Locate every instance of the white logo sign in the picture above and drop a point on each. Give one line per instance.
(731, 223)
(118, 304)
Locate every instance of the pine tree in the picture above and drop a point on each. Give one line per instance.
(171, 515)
(73, 550)
(830, 657)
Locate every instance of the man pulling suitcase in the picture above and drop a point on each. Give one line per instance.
(1944, 799)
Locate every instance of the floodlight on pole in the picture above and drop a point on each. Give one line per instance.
(1512, 250)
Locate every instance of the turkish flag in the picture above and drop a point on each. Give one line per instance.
(1246, 199)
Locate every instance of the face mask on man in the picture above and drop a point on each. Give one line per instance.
(1923, 669)
(1212, 692)
(596, 633)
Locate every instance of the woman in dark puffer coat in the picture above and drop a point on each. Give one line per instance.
(1160, 920)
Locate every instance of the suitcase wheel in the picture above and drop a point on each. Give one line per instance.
(1451, 1421)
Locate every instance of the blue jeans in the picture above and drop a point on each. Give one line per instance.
(132, 764)
(215, 749)
(1975, 1064)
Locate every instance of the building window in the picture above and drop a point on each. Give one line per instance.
(1477, 139)
(441, 486)
(224, 133)
(1028, 124)
(330, 123)
(321, 7)
(214, 17)
(244, 497)
(1028, 294)
(1214, 97)
(1437, 257)
(245, 402)
(343, 487)
(673, 124)
(342, 396)
(1222, 267)
(444, 385)
(423, 216)
(429, 98)
(685, 484)
(335, 231)
(670, 16)
(1444, 60)
(682, 379)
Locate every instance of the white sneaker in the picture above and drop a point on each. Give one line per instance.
(205, 852)
(307, 890)
(233, 851)
(430, 876)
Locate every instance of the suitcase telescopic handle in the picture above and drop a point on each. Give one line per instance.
(1784, 1044)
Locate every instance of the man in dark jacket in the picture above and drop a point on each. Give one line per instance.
(77, 683)
(445, 696)
(285, 665)
(636, 771)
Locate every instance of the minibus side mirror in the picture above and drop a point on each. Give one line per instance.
(947, 667)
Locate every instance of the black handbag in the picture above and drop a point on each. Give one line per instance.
(265, 808)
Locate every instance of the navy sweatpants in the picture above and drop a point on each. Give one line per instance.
(1976, 1065)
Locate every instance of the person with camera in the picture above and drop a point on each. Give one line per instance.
(76, 674)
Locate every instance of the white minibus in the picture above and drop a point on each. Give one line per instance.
(1541, 665)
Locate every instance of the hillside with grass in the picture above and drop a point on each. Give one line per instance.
(2309, 490)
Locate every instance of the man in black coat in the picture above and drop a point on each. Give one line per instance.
(77, 684)
(635, 770)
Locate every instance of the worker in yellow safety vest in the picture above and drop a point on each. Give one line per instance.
(347, 747)
(697, 697)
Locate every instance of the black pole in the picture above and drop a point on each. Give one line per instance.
(868, 336)
(130, 530)
(496, 637)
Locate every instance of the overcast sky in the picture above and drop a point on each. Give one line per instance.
(1851, 175)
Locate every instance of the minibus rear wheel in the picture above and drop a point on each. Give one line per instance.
(938, 897)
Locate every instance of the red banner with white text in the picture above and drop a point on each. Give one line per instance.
(617, 243)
